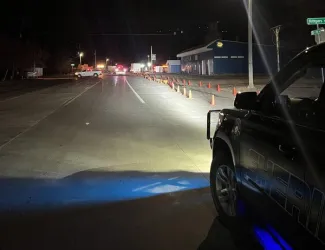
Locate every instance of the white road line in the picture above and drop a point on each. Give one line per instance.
(136, 94)
(77, 96)
(37, 122)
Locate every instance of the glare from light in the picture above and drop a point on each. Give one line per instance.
(81, 54)
(149, 64)
(142, 65)
(275, 85)
(100, 66)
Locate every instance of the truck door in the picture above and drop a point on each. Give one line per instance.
(313, 128)
(270, 165)
(280, 147)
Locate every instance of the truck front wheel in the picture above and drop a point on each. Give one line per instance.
(95, 75)
(223, 185)
(79, 76)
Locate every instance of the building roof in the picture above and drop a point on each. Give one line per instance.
(196, 50)
(208, 47)
(173, 62)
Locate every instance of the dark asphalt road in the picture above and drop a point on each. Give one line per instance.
(117, 163)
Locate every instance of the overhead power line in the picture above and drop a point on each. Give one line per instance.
(130, 34)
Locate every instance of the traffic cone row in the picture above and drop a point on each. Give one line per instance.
(171, 82)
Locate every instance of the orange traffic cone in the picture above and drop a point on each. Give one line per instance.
(184, 82)
(234, 91)
(200, 84)
(209, 85)
(184, 91)
(213, 102)
(190, 94)
(189, 83)
(218, 88)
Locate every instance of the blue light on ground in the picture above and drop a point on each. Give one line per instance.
(265, 239)
(284, 244)
(93, 187)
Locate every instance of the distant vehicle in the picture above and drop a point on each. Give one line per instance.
(120, 70)
(31, 74)
(136, 67)
(111, 69)
(87, 73)
(34, 73)
(267, 155)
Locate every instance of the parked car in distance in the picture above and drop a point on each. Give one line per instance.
(87, 73)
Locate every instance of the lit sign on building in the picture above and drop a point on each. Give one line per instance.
(219, 44)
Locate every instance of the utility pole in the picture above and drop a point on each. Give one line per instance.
(151, 58)
(250, 45)
(95, 61)
(34, 64)
(319, 41)
(276, 31)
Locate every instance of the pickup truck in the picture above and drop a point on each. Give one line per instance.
(85, 73)
(267, 156)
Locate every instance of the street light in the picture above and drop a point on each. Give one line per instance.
(250, 45)
(81, 54)
(149, 64)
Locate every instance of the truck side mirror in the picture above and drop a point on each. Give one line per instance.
(246, 100)
(209, 125)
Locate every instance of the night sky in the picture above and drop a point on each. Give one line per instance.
(65, 26)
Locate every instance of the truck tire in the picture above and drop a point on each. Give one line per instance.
(95, 75)
(79, 75)
(223, 186)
